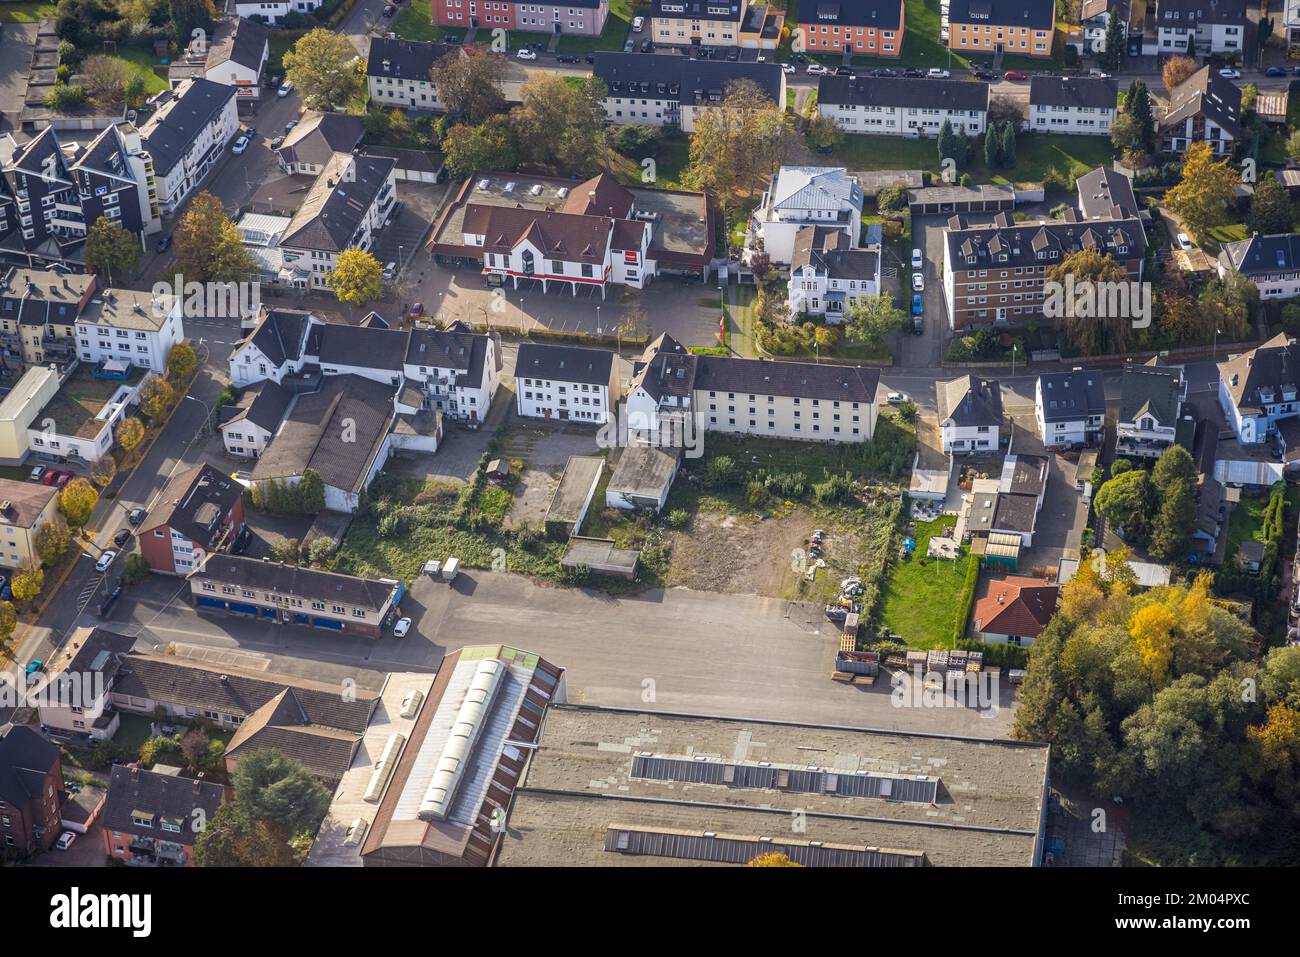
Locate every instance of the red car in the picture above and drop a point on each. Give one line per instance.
(1013, 75)
(64, 479)
(50, 477)
(417, 310)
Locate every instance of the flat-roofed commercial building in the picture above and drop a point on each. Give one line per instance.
(608, 787)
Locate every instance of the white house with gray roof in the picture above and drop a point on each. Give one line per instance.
(132, 326)
(565, 383)
(800, 196)
(186, 136)
(1084, 105)
(1069, 407)
(826, 277)
(903, 106)
(1150, 407)
(970, 414)
(398, 72)
(273, 11)
(672, 90)
(1272, 263)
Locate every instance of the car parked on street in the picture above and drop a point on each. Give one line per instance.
(1230, 74)
(241, 144)
(1013, 75)
(647, 45)
(65, 840)
(164, 243)
(816, 69)
(390, 270)
(37, 473)
(1275, 71)
(629, 47)
(918, 282)
(401, 628)
(934, 73)
(285, 89)
(637, 24)
(49, 476)
(918, 303)
(122, 537)
(918, 260)
(525, 54)
(105, 560)
(787, 68)
(896, 398)
(136, 515)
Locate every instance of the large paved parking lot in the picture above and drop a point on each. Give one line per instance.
(678, 650)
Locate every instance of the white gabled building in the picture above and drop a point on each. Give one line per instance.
(1199, 27)
(565, 383)
(1073, 104)
(237, 56)
(1094, 21)
(970, 414)
(903, 106)
(1069, 407)
(1150, 409)
(398, 72)
(132, 326)
(1272, 263)
(826, 277)
(800, 196)
(276, 10)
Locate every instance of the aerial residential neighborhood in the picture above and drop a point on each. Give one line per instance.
(650, 434)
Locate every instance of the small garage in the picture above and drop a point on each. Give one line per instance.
(946, 200)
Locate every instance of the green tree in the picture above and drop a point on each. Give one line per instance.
(561, 124)
(738, 143)
(1008, 145)
(469, 85)
(322, 66)
(181, 361)
(1171, 531)
(1174, 465)
(1270, 207)
(992, 147)
(235, 837)
(1208, 187)
(490, 145)
(187, 16)
(278, 789)
(871, 318)
(51, 539)
(311, 493)
(824, 132)
(1092, 335)
(76, 501)
(130, 434)
(1138, 105)
(111, 250)
(1112, 57)
(356, 277)
(207, 243)
(65, 96)
(27, 582)
(1125, 502)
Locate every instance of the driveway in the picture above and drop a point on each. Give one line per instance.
(17, 40)
(86, 851)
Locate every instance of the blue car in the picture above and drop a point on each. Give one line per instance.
(1275, 71)
(917, 309)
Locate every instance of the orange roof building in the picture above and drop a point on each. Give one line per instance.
(1015, 610)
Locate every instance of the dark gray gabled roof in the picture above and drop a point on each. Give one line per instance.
(804, 380)
(244, 42)
(969, 400)
(1187, 14)
(728, 10)
(1207, 94)
(170, 132)
(825, 249)
(920, 93)
(680, 78)
(666, 368)
(561, 363)
(1152, 390)
(195, 503)
(1034, 14)
(405, 59)
(1104, 190)
(1261, 255)
(1096, 92)
(318, 136)
(263, 404)
(1070, 396)
(26, 756)
(337, 203)
(307, 583)
(466, 352)
(367, 346)
(134, 793)
(279, 336)
(855, 13)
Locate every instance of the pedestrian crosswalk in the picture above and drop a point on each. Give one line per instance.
(88, 592)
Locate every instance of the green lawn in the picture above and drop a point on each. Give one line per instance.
(1217, 235)
(921, 601)
(1036, 153)
(133, 732)
(416, 23)
(142, 62)
(615, 33)
(280, 43)
(26, 12)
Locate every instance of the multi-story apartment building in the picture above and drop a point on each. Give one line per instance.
(860, 27)
(1257, 389)
(316, 139)
(1019, 27)
(970, 414)
(31, 790)
(580, 17)
(1200, 27)
(800, 196)
(1150, 409)
(131, 326)
(52, 192)
(994, 273)
(1272, 263)
(710, 23)
(565, 383)
(1069, 407)
(154, 819)
(273, 11)
(672, 90)
(784, 400)
(1291, 23)
(826, 277)
(187, 134)
(1106, 193)
(38, 315)
(1094, 21)
(293, 595)
(200, 512)
(398, 72)
(344, 209)
(1073, 104)
(24, 507)
(455, 371)
(1204, 108)
(903, 106)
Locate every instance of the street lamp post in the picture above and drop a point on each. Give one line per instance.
(207, 413)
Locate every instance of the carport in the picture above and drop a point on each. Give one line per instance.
(944, 200)
(997, 550)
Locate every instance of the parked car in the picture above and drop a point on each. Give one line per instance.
(63, 479)
(1230, 74)
(390, 270)
(566, 58)
(913, 72)
(401, 628)
(918, 282)
(1013, 75)
(1275, 71)
(647, 45)
(934, 73)
(65, 840)
(389, 10)
(122, 537)
(49, 476)
(918, 303)
(918, 260)
(105, 560)
(37, 473)
(417, 310)
(843, 71)
(885, 72)
(591, 58)
(285, 89)
(629, 47)
(136, 515)
(637, 24)
(276, 143)
(816, 69)
(918, 326)
(1097, 72)
(787, 68)
(525, 54)
(164, 243)
(733, 54)
(34, 668)
(1184, 241)
(288, 127)
(896, 398)
(241, 144)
